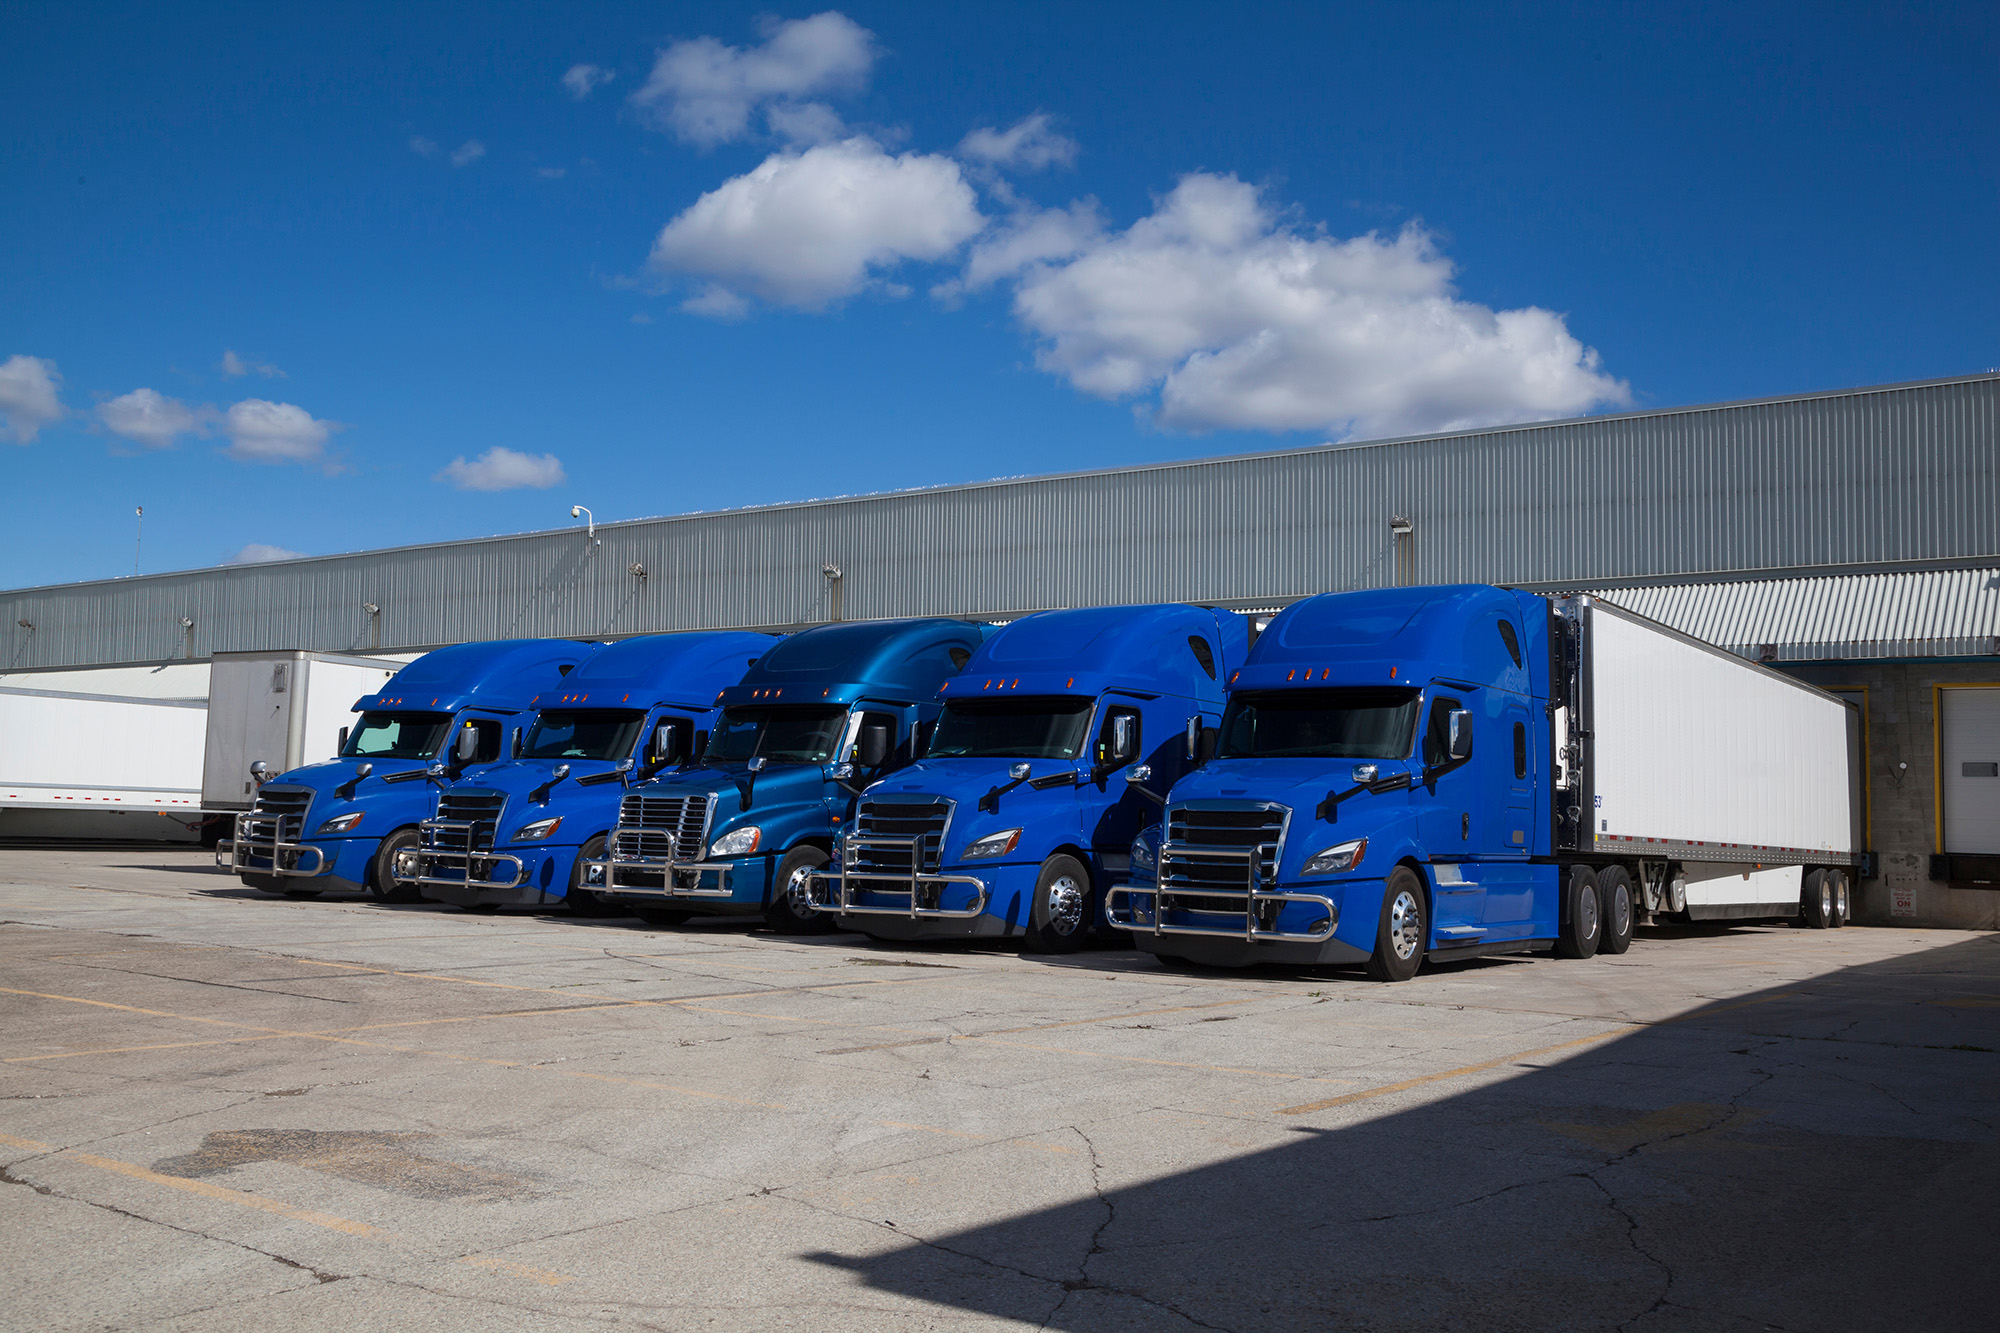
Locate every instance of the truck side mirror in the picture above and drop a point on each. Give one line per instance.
(466, 748)
(1124, 739)
(872, 749)
(342, 747)
(1458, 725)
(260, 772)
(669, 744)
(1193, 737)
(514, 745)
(699, 748)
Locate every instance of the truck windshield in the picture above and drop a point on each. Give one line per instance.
(1319, 724)
(1031, 727)
(779, 735)
(398, 735)
(573, 734)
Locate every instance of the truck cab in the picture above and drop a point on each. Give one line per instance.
(339, 824)
(1378, 792)
(513, 834)
(821, 715)
(1054, 749)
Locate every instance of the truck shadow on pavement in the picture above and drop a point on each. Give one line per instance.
(1817, 1155)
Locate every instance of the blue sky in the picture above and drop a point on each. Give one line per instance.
(389, 275)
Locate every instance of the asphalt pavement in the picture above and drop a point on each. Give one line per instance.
(221, 1110)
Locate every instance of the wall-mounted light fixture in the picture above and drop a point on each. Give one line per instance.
(636, 570)
(25, 624)
(1403, 533)
(831, 573)
(371, 609)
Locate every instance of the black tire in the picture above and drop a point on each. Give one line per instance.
(1402, 930)
(1614, 908)
(1842, 906)
(787, 912)
(582, 901)
(663, 917)
(381, 878)
(1064, 912)
(1816, 901)
(1582, 917)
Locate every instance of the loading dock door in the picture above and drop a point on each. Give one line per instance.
(1969, 770)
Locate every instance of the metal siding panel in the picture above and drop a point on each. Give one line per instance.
(1873, 476)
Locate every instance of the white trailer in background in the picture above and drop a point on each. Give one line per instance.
(104, 753)
(283, 709)
(1719, 779)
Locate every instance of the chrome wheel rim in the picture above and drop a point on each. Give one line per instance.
(1621, 910)
(1825, 901)
(795, 890)
(1406, 924)
(1065, 905)
(1586, 915)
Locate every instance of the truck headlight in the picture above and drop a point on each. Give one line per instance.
(339, 823)
(536, 831)
(1334, 860)
(737, 842)
(992, 845)
(1145, 860)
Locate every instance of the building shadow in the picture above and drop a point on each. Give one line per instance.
(1820, 1155)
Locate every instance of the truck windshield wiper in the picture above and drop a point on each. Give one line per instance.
(1329, 809)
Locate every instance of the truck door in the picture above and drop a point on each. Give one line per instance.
(1449, 798)
(1119, 810)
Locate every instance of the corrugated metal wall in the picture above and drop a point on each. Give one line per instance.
(1938, 613)
(1903, 473)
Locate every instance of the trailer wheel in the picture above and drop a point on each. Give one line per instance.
(787, 912)
(1837, 880)
(1403, 929)
(658, 916)
(1064, 910)
(1582, 922)
(1816, 901)
(382, 881)
(1614, 902)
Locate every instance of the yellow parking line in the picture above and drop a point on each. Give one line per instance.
(1387, 1088)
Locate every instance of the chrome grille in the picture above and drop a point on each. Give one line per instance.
(279, 815)
(1252, 827)
(923, 822)
(661, 827)
(466, 820)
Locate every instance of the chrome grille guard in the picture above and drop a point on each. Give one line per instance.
(1211, 879)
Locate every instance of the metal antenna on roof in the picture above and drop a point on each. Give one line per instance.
(137, 537)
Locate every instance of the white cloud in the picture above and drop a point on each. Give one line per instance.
(149, 418)
(583, 80)
(28, 398)
(552, 173)
(807, 228)
(705, 92)
(423, 147)
(1029, 145)
(467, 153)
(501, 469)
(1030, 237)
(257, 553)
(1237, 319)
(265, 432)
(235, 367)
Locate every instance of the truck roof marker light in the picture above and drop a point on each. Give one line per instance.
(1392, 673)
(1293, 672)
(1070, 682)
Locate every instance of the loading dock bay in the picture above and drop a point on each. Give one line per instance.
(222, 1110)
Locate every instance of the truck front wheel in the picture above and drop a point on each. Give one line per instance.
(1614, 901)
(1064, 910)
(583, 901)
(1581, 920)
(787, 912)
(1401, 932)
(382, 881)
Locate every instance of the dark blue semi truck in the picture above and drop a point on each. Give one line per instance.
(1446, 772)
(820, 716)
(340, 824)
(1020, 813)
(514, 833)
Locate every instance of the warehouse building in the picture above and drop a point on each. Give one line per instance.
(1851, 537)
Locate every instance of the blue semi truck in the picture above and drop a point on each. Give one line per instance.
(514, 833)
(820, 716)
(340, 824)
(1447, 772)
(1020, 813)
